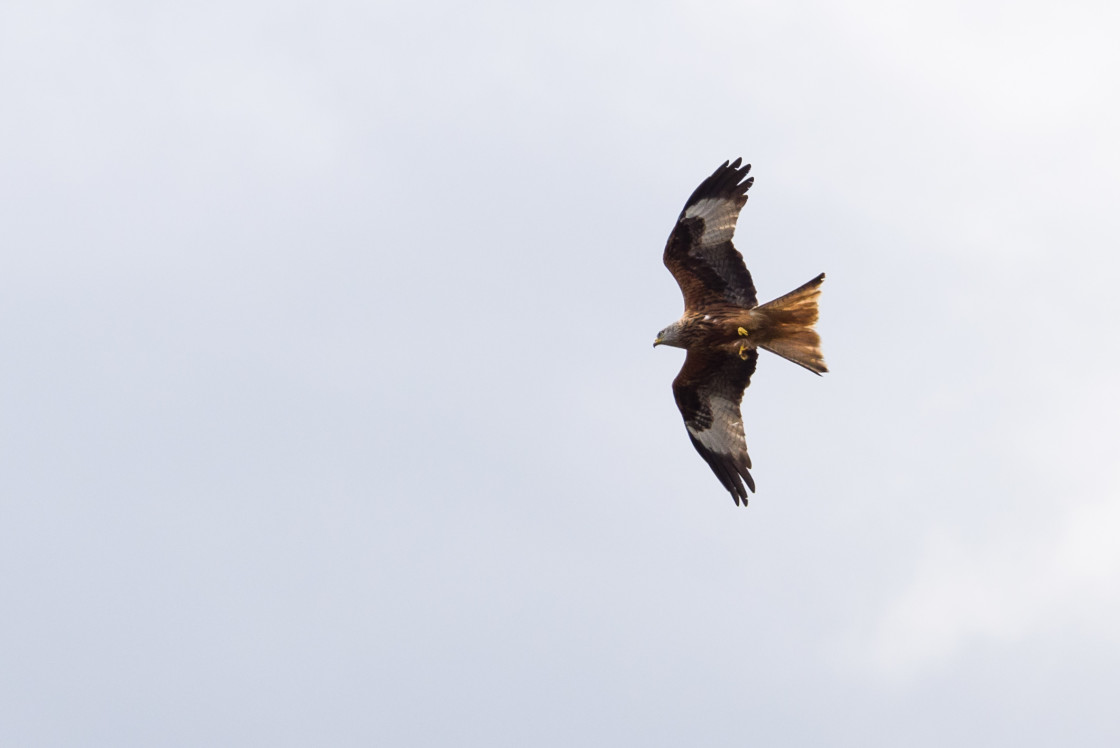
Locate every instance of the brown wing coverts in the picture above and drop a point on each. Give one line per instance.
(699, 252)
(709, 390)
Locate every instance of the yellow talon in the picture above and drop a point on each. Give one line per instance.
(743, 332)
(744, 352)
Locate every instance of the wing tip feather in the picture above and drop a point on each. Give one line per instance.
(729, 181)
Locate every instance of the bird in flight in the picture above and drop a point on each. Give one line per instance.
(723, 326)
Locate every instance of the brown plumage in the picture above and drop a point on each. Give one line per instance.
(723, 326)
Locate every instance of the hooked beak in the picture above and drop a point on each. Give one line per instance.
(657, 342)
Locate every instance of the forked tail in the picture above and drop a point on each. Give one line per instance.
(791, 334)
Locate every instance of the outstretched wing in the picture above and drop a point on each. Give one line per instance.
(699, 252)
(709, 390)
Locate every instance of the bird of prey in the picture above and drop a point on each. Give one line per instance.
(723, 326)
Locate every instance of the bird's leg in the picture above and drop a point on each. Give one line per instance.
(744, 351)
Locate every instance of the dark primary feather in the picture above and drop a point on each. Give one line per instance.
(709, 390)
(699, 253)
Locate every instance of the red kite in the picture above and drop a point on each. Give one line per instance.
(723, 326)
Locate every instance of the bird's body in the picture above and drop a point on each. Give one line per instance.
(723, 326)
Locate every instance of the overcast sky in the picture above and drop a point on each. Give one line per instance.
(330, 415)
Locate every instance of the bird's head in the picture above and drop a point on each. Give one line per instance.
(671, 335)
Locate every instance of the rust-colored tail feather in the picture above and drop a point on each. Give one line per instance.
(791, 330)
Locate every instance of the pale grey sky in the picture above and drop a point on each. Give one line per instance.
(330, 415)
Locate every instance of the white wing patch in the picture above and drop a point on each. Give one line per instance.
(719, 216)
(725, 435)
